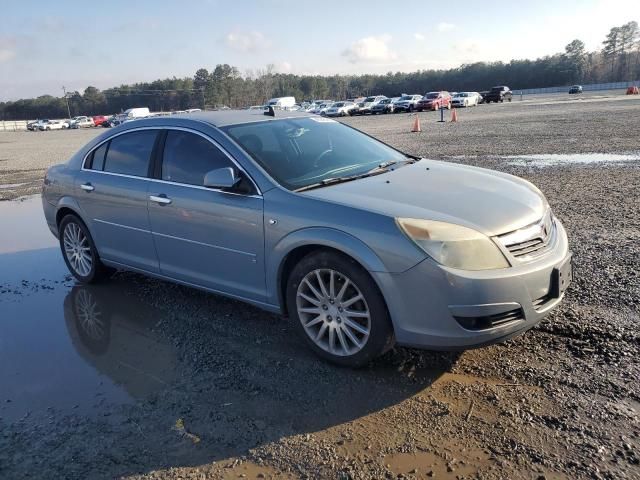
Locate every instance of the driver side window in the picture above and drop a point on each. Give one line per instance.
(188, 157)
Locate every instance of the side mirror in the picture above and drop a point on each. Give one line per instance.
(221, 178)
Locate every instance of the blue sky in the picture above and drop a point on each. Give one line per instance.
(44, 45)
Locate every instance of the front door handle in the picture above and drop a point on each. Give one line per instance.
(162, 199)
(87, 187)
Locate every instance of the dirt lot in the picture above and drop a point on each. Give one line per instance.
(139, 378)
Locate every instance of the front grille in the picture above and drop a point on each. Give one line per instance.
(490, 321)
(531, 240)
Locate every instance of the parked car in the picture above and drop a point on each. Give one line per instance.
(282, 103)
(383, 106)
(482, 95)
(51, 125)
(324, 107)
(434, 101)
(498, 94)
(83, 122)
(99, 120)
(318, 108)
(69, 121)
(316, 103)
(362, 246)
(140, 112)
(35, 126)
(406, 103)
(575, 89)
(365, 106)
(340, 109)
(465, 99)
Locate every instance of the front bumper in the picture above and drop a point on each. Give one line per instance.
(429, 303)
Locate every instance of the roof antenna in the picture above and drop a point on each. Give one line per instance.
(270, 111)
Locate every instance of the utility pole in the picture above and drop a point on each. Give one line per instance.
(67, 99)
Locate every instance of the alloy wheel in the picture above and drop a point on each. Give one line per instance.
(77, 249)
(333, 312)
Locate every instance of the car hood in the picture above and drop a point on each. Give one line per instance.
(488, 201)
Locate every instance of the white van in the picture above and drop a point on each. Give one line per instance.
(282, 103)
(139, 112)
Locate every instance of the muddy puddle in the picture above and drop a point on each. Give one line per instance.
(66, 347)
(559, 159)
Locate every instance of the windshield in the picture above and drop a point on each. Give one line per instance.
(339, 104)
(370, 99)
(432, 95)
(298, 152)
(462, 94)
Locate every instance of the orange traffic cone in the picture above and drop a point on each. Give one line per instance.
(454, 115)
(416, 124)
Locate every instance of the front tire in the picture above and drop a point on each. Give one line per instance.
(79, 251)
(338, 309)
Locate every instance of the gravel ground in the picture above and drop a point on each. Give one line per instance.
(249, 401)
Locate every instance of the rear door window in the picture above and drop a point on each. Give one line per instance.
(130, 153)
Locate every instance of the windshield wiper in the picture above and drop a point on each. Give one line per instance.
(381, 168)
(327, 181)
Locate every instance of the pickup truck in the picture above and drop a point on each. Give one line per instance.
(498, 94)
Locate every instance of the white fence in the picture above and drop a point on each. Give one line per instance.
(13, 125)
(585, 88)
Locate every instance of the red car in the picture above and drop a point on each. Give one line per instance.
(99, 120)
(434, 101)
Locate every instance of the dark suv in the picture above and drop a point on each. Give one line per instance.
(498, 94)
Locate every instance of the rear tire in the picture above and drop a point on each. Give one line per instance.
(338, 309)
(79, 251)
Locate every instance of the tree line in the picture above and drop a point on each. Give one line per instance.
(225, 85)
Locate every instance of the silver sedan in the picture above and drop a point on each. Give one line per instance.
(361, 245)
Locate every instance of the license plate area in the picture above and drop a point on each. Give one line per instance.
(561, 278)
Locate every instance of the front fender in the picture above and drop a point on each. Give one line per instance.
(322, 237)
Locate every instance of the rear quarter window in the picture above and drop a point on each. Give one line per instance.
(96, 159)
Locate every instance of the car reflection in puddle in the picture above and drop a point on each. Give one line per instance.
(73, 349)
(115, 334)
(102, 351)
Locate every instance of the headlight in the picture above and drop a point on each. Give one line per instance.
(454, 245)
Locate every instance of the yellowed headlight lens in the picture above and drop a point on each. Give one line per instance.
(454, 245)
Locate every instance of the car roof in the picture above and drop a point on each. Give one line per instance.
(220, 118)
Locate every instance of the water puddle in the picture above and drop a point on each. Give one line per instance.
(556, 159)
(63, 346)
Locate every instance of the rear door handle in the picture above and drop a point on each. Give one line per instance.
(162, 199)
(87, 187)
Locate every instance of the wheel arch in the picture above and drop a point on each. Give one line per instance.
(292, 248)
(66, 206)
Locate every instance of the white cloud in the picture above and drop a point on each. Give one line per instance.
(370, 49)
(418, 36)
(284, 67)
(247, 42)
(445, 27)
(7, 49)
